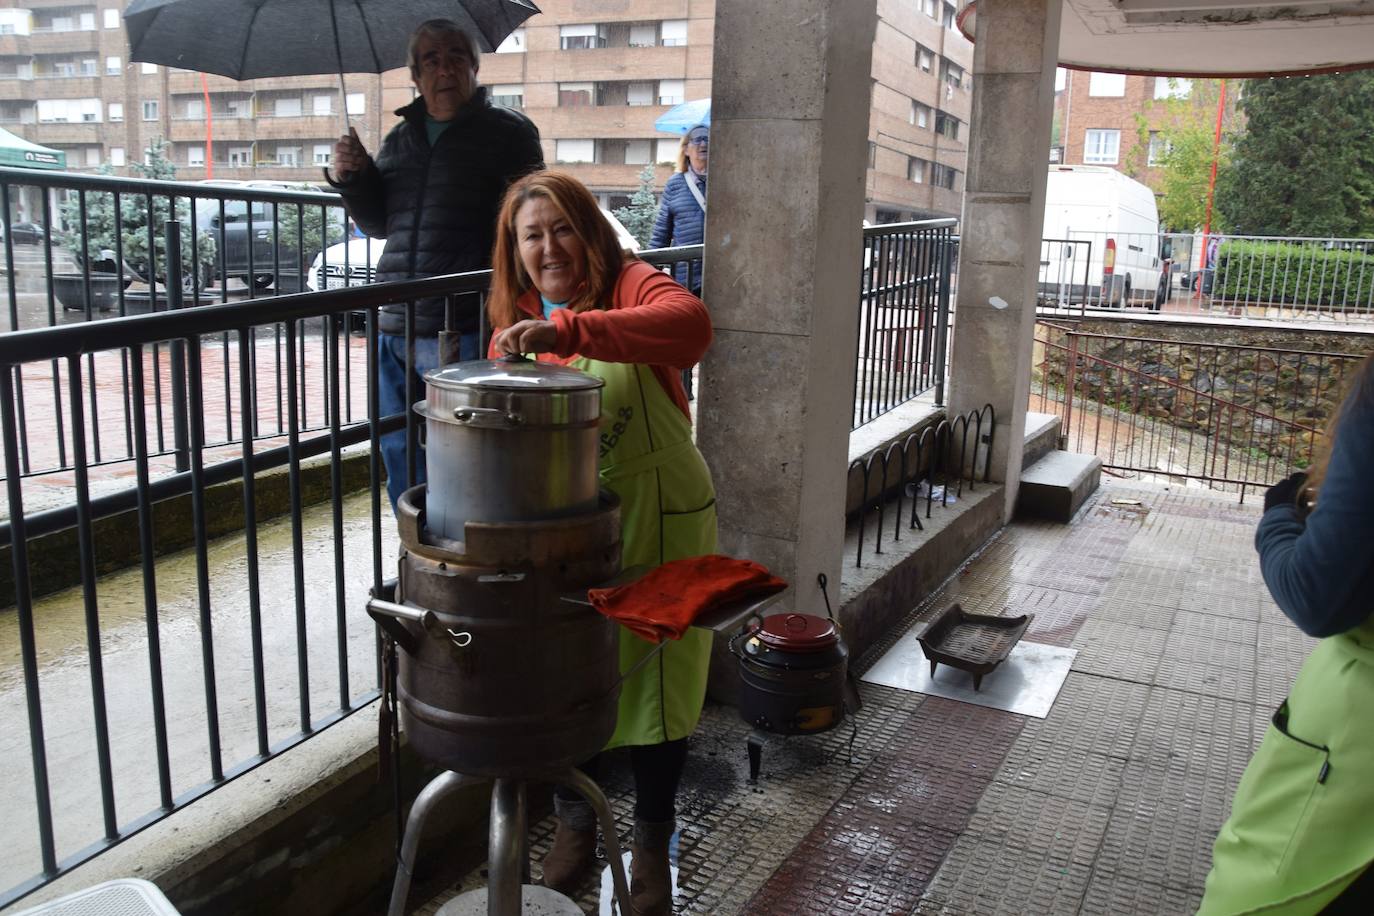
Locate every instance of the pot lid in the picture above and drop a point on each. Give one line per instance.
(511, 374)
(797, 633)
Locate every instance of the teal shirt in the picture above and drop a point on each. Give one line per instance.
(551, 307)
(434, 128)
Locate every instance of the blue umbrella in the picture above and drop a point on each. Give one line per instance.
(681, 118)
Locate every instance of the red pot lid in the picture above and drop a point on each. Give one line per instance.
(797, 633)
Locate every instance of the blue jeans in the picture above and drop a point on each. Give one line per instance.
(391, 399)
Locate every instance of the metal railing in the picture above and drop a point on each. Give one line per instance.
(1238, 277)
(903, 316)
(1228, 416)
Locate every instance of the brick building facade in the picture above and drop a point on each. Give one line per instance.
(593, 77)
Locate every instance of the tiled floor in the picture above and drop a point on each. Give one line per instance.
(1108, 806)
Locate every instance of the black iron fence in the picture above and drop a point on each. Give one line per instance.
(904, 315)
(1226, 415)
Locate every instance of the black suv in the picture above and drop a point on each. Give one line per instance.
(232, 227)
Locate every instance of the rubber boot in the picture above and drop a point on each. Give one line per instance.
(651, 878)
(574, 845)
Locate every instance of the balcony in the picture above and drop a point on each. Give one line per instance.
(304, 128)
(15, 89)
(64, 42)
(67, 132)
(190, 130)
(66, 87)
(621, 121)
(598, 64)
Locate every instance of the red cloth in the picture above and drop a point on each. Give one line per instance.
(665, 602)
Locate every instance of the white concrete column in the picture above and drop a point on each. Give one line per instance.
(789, 112)
(1016, 48)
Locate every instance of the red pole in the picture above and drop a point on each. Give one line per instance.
(210, 132)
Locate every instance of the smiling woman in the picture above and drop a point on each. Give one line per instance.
(562, 288)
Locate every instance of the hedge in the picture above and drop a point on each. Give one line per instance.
(1299, 274)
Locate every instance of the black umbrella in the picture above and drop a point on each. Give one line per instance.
(249, 39)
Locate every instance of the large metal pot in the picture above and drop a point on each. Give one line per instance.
(509, 440)
(498, 675)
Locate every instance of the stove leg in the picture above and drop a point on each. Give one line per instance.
(588, 789)
(439, 787)
(754, 744)
(507, 860)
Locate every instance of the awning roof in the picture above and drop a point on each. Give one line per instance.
(19, 152)
(1210, 38)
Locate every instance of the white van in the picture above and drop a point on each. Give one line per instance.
(1101, 241)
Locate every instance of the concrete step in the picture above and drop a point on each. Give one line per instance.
(1042, 437)
(1056, 485)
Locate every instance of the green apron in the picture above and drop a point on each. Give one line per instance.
(667, 511)
(1302, 823)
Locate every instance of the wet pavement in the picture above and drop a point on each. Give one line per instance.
(1107, 806)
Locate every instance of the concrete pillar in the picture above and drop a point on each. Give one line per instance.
(1016, 47)
(789, 127)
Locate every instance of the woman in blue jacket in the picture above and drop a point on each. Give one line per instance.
(1300, 838)
(682, 212)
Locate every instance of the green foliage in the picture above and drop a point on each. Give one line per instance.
(134, 219)
(1300, 274)
(1304, 166)
(316, 235)
(1185, 166)
(638, 217)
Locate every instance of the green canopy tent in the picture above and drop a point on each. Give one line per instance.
(19, 152)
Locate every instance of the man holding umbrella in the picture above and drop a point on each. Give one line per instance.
(433, 192)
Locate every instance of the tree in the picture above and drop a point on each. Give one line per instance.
(638, 217)
(1304, 166)
(1185, 147)
(315, 234)
(101, 227)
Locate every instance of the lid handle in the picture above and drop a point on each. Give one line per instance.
(515, 358)
(488, 416)
(795, 622)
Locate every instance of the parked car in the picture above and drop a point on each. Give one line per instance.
(25, 233)
(279, 269)
(354, 262)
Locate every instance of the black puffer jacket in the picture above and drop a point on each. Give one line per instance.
(437, 206)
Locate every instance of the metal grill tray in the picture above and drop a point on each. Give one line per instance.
(976, 643)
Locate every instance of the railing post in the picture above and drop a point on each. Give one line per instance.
(1070, 379)
(942, 319)
(181, 439)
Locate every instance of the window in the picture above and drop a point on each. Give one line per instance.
(289, 156)
(667, 150)
(947, 125)
(1172, 87)
(932, 8)
(637, 152)
(578, 37)
(643, 35)
(952, 74)
(322, 105)
(88, 21)
(287, 108)
(117, 156)
(872, 155)
(674, 32)
(240, 157)
(514, 43)
(150, 109)
(1102, 146)
(356, 103)
(195, 109)
(509, 95)
(949, 19)
(92, 156)
(640, 94)
(916, 170)
(147, 68)
(1158, 147)
(88, 66)
(68, 111)
(1112, 85)
(925, 58)
(113, 66)
(323, 152)
(575, 151)
(195, 156)
(111, 18)
(672, 92)
(942, 176)
(920, 114)
(572, 95)
(116, 111)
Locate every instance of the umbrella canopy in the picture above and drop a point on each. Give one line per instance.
(249, 39)
(18, 151)
(681, 118)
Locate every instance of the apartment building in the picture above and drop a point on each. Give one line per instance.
(1115, 120)
(592, 76)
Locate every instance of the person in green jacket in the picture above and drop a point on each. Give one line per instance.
(1300, 837)
(563, 289)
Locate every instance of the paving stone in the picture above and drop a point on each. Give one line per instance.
(1135, 612)
(1118, 895)
(1213, 667)
(1118, 650)
(983, 875)
(1194, 626)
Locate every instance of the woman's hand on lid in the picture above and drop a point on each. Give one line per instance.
(533, 335)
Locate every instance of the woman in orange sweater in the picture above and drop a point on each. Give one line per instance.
(563, 289)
